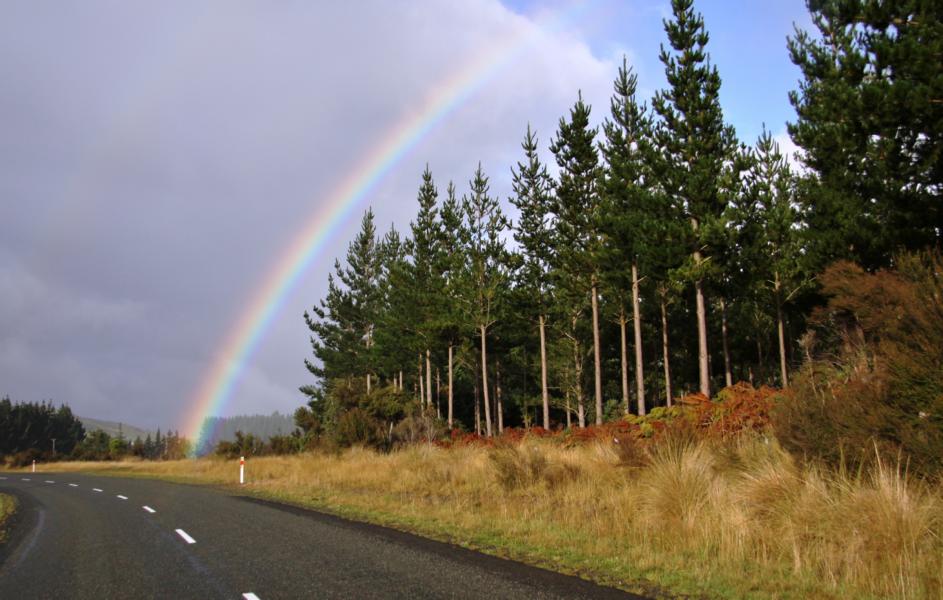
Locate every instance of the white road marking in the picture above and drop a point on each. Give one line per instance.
(47, 481)
(185, 536)
(25, 478)
(250, 596)
(74, 485)
(96, 490)
(2, 477)
(149, 509)
(122, 497)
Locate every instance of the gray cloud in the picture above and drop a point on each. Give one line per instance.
(158, 158)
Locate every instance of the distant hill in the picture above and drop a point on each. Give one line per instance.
(112, 428)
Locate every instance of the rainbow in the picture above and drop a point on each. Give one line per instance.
(219, 381)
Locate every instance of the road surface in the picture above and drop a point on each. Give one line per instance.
(80, 536)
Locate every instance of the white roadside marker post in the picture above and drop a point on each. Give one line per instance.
(242, 470)
(34, 465)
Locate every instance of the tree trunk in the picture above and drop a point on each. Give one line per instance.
(759, 361)
(637, 327)
(477, 404)
(702, 355)
(728, 375)
(428, 378)
(484, 377)
(782, 333)
(569, 412)
(597, 359)
(544, 392)
(369, 344)
(623, 346)
(451, 406)
(438, 394)
(578, 370)
(422, 395)
(664, 350)
(401, 380)
(497, 392)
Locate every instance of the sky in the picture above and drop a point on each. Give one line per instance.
(158, 159)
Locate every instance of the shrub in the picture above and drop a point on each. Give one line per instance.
(422, 426)
(285, 444)
(874, 373)
(357, 427)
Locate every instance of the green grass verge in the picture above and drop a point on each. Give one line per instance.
(7, 508)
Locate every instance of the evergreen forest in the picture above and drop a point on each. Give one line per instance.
(659, 257)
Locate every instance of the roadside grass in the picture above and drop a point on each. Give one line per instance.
(688, 517)
(7, 508)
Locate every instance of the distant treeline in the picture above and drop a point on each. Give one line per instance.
(230, 429)
(43, 432)
(39, 427)
(99, 445)
(40, 431)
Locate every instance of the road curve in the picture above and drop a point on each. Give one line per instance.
(79, 536)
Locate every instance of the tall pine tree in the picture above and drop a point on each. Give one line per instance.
(534, 233)
(578, 209)
(484, 277)
(627, 203)
(696, 145)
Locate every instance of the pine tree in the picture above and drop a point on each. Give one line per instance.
(334, 337)
(393, 339)
(733, 268)
(870, 119)
(344, 323)
(485, 274)
(534, 233)
(627, 204)
(450, 262)
(778, 255)
(578, 210)
(426, 283)
(696, 144)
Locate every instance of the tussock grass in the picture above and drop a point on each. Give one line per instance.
(732, 519)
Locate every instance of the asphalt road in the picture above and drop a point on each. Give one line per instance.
(79, 536)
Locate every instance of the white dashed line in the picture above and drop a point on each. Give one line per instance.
(47, 481)
(122, 497)
(25, 478)
(185, 536)
(2, 477)
(96, 490)
(73, 485)
(250, 596)
(149, 509)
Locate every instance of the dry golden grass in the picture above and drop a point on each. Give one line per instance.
(741, 519)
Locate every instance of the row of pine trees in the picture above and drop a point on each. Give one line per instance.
(660, 255)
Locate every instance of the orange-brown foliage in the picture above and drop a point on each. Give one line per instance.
(738, 408)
